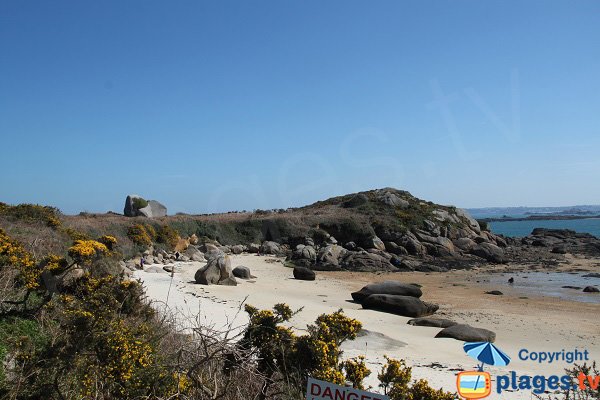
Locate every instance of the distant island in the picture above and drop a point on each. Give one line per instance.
(491, 214)
(539, 217)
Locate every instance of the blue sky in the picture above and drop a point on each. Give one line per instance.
(216, 106)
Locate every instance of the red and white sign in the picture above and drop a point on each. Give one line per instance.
(320, 390)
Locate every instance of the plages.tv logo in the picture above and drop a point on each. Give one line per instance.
(473, 385)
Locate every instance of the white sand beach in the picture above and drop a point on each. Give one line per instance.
(536, 323)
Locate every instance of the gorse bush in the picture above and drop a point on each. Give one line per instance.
(83, 252)
(139, 235)
(395, 380)
(32, 213)
(109, 241)
(167, 236)
(99, 340)
(285, 356)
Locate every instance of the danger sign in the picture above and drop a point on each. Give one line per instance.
(320, 390)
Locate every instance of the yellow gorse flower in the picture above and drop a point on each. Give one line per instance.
(84, 251)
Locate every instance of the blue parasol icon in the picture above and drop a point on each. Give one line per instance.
(486, 353)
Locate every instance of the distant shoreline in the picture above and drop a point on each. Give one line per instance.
(539, 218)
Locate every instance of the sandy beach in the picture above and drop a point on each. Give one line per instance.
(532, 321)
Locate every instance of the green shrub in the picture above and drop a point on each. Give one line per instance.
(167, 236)
(20, 339)
(139, 203)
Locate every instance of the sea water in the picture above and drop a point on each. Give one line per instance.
(547, 284)
(524, 228)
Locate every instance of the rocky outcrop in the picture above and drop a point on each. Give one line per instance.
(387, 287)
(328, 258)
(563, 241)
(406, 306)
(216, 272)
(467, 333)
(489, 252)
(390, 198)
(136, 206)
(366, 262)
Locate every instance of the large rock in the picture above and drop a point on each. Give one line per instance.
(304, 274)
(242, 272)
(467, 333)
(412, 245)
(391, 199)
(465, 244)
(329, 257)
(194, 254)
(394, 248)
(432, 322)
(213, 253)
(366, 262)
(490, 252)
(442, 242)
(406, 306)
(591, 289)
(387, 287)
(237, 249)
(304, 252)
(69, 278)
(376, 243)
(216, 272)
(473, 224)
(154, 209)
(269, 247)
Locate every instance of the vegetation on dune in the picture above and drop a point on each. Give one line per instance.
(355, 217)
(98, 338)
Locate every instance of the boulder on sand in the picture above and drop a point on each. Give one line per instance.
(387, 287)
(194, 254)
(237, 249)
(269, 247)
(467, 333)
(304, 274)
(216, 272)
(242, 272)
(406, 306)
(432, 322)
